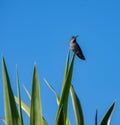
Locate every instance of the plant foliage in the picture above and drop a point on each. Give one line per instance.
(13, 114)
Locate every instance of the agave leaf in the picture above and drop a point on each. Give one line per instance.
(24, 106)
(36, 108)
(68, 121)
(57, 98)
(61, 117)
(44, 121)
(96, 117)
(11, 112)
(66, 87)
(77, 107)
(19, 98)
(65, 91)
(27, 92)
(66, 69)
(107, 116)
(67, 65)
(53, 90)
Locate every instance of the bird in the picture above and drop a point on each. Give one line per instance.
(74, 46)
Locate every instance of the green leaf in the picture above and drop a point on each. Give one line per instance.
(77, 107)
(36, 108)
(53, 90)
(65, 91)
(61, 117)
(68, 121)
(44, 121)
(96, 117)
(107, 116)
(27, 92)
(24, 106)
(66, 69)
(57, 98)
(67, 65)
(19, 98)
(11, 113)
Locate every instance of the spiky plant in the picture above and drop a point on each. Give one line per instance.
(13, 115)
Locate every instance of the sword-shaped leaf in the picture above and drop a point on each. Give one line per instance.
(66, 69)
(65, 91)
(19, 98)
(36, 108)
(57, 98)
(77, 107)
(24, 106)
(96, 117)
(61, 117)
(107, 116)
(27, 92)
(53, 90)
(10, 108)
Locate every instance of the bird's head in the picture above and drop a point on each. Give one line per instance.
(73, 39)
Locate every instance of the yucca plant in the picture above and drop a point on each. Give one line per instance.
(13, 115)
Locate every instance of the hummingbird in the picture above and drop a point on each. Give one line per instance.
(76, 48)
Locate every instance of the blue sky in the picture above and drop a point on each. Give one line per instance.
(40, 31)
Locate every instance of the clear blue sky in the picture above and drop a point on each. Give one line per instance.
(39, 32)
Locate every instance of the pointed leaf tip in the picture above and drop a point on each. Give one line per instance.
(11, 112)
(96, 116)
(34, 65)
(36, 107)
(3, 61)
(107, 117)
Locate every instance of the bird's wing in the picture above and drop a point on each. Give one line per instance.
(79, 52)
(77, 47)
